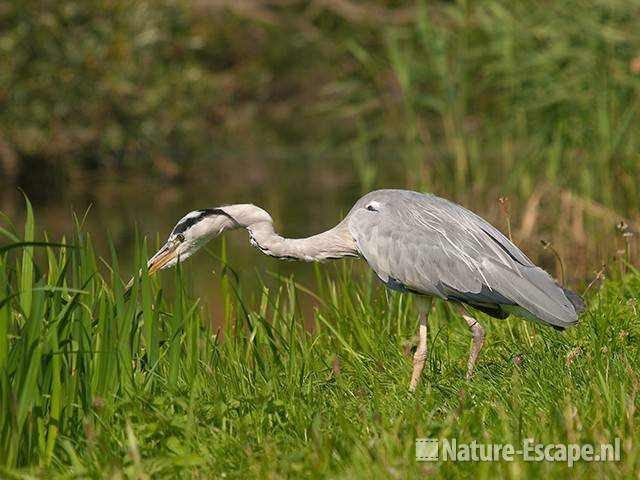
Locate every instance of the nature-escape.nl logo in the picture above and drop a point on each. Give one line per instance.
(450, 450)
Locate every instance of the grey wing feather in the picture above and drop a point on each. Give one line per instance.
(423, 243)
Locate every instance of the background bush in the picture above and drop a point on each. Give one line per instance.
(471, 92)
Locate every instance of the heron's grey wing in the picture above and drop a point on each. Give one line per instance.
(429, 245)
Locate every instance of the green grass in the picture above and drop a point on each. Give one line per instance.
(97, 385)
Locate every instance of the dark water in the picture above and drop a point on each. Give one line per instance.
(305, 193)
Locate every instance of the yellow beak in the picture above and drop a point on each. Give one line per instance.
(159, 260)
(164, 256)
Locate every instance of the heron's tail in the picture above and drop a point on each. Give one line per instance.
(537, 297)
(576, 300)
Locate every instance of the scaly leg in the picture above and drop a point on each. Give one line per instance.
(478, 338)
(420, 357)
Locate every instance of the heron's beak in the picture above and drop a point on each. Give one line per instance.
(159, 260)
(164, 256)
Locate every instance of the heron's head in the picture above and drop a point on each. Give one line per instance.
(190, 233)
(198, 227)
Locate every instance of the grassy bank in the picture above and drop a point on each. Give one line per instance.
(95, 384)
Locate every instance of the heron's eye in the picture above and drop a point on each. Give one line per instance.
(180, 237)
(373, 207)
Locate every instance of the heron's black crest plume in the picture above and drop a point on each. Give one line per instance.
(198, 216)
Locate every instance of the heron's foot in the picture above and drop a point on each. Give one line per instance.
(477, 332)
(419, 359)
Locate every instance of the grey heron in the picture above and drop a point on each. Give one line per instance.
(415, 242)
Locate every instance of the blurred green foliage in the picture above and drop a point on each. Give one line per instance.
(469, 93)
(100, 82)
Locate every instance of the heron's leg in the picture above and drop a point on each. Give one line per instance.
(420, 357)
(478, 338)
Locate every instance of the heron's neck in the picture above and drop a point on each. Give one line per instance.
(332, 244)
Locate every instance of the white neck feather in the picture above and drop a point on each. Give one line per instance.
(332, 244)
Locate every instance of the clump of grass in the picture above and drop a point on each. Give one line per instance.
(72, 345)
(93, 384)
